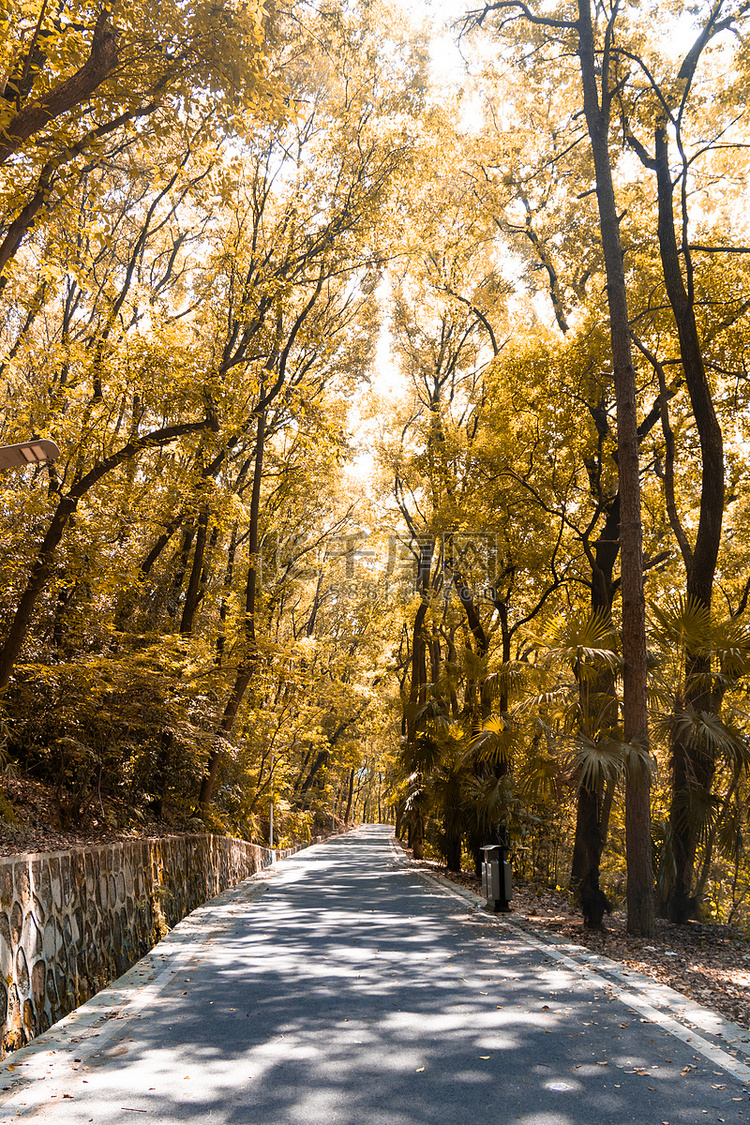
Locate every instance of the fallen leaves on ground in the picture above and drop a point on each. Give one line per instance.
(707, 962)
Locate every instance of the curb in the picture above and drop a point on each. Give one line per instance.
(723, 1043)
(70, 1041)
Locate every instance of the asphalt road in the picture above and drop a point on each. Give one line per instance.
(346, 989)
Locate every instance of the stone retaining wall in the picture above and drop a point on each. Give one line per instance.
(71, 922)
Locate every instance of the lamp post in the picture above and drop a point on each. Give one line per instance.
(270, 811)
(28, 453)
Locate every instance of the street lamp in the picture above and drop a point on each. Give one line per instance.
(28, 453)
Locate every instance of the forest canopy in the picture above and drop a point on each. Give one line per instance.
(403, 419)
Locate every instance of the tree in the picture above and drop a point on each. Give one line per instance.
(672, 102)
(593, 47)
(154, 365)
(303, 250)
(74, 83)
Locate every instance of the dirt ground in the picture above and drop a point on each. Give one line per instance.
(708, 963)
(30, 822)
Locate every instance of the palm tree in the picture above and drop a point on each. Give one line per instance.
(698, 716)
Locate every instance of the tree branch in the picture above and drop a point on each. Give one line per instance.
(43, 564)
(477, 17)
(98, 66)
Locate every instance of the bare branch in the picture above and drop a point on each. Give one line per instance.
(477, 17)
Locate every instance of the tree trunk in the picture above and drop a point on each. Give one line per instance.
(179, 567)
(417, 689)
(418, 686)
(321, 760)
(40, 573)
(44, 562)
(692, 767)
(638, 810)
(247, 665)
(417, 835)
(221, 633)
(453, 853)
(76, 90)
(592, 823)
(599, 710)
(192, 597)
(349, 798)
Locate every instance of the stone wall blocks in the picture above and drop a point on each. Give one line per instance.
(41, 880)
(40, 908)
(55, 881)
(22, 882)
(16, 923)
(126, 932)
(61, 982)
(77, 924)
(22, 971)
(14, 1007)
(78, 878)
(72, 921)
(50, 943)
(38, 981)
(85, 967)
(90, 873)
(29, 1020)
(6, 947)
(31, 936)
(68, 889)
(6, 886)
(53, 1000)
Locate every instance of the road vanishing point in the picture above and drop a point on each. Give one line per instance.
(343, 987)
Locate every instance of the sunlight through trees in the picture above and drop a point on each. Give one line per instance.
(498, 592)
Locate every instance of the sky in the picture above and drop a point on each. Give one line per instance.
(448, 71)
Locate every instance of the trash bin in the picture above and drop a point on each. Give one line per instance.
(496, 878)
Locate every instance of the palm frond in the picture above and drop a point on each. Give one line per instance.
(416, 800)
(585, 642)
(661, 696)
(475, 667)
(491, 799)
(704, 811)
(494, 742)
(542, 699)
(638, 757)
(705, 730)
(695, 810)
(421, 755)
(595, 761)
(730, 837)
(539, 776)
(508, 677)
(684, 624)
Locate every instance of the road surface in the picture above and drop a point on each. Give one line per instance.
(346, 989)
